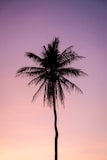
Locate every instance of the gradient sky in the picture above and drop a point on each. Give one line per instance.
(26, 128)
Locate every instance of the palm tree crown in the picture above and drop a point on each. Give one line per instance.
(52, 71)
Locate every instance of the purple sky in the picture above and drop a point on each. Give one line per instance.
(26, 129)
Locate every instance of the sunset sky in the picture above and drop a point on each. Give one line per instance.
(26, 128)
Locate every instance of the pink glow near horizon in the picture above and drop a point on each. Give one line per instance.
(26, 128)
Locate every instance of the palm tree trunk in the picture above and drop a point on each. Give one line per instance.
(55, 126)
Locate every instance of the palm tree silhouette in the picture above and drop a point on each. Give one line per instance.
(50, 72)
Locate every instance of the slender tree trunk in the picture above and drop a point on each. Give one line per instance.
(55, 126)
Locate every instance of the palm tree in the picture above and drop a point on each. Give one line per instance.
(50, 72)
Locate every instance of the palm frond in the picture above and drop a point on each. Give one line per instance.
(60, 91)
(34, 81)
(67, 49)
(69, 85)
(38, 91)
(34, 57)
(30, 71)
(37, 79)
(71, 71)
(22, 70)
(55, 43)
(68, 56)
(45, 93)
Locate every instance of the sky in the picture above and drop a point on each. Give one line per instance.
(26, 128)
